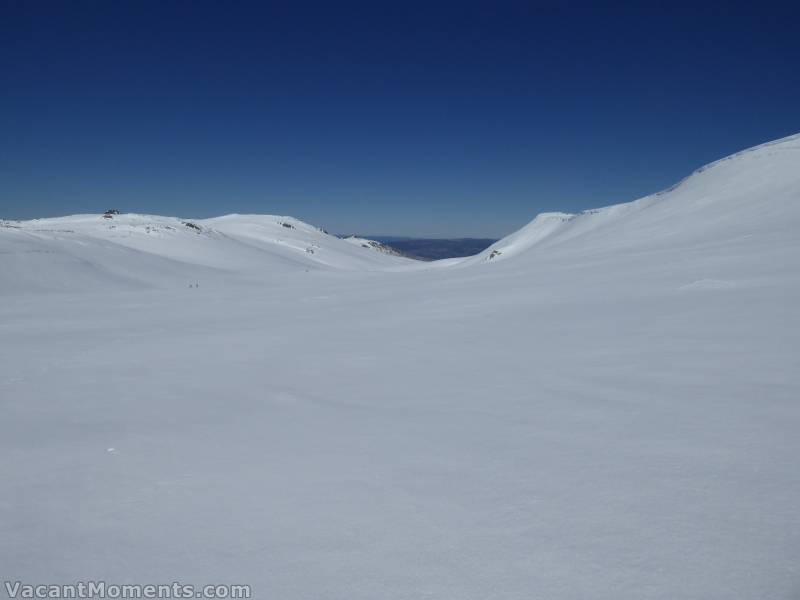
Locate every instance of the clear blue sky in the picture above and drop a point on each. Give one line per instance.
(398, 118)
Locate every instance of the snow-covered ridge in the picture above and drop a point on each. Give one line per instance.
(752, 192)
(373, 244)
(755, 192)
(786, 143)
(109, 251)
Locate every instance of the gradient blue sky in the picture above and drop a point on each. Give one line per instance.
(425, 119)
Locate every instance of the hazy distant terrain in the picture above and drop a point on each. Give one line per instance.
(435, 249)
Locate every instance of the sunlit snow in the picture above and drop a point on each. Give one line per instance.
(607, 407)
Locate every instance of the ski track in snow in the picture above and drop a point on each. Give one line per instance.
(607, 408)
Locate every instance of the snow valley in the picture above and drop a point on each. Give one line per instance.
(601, 405)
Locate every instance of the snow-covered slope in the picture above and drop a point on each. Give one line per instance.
(751, 193)
(608, 409)
(371, 245)
(130, 251)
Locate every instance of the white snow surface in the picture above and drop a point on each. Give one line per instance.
(130, 251)
(371, 245)
(609, 408)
